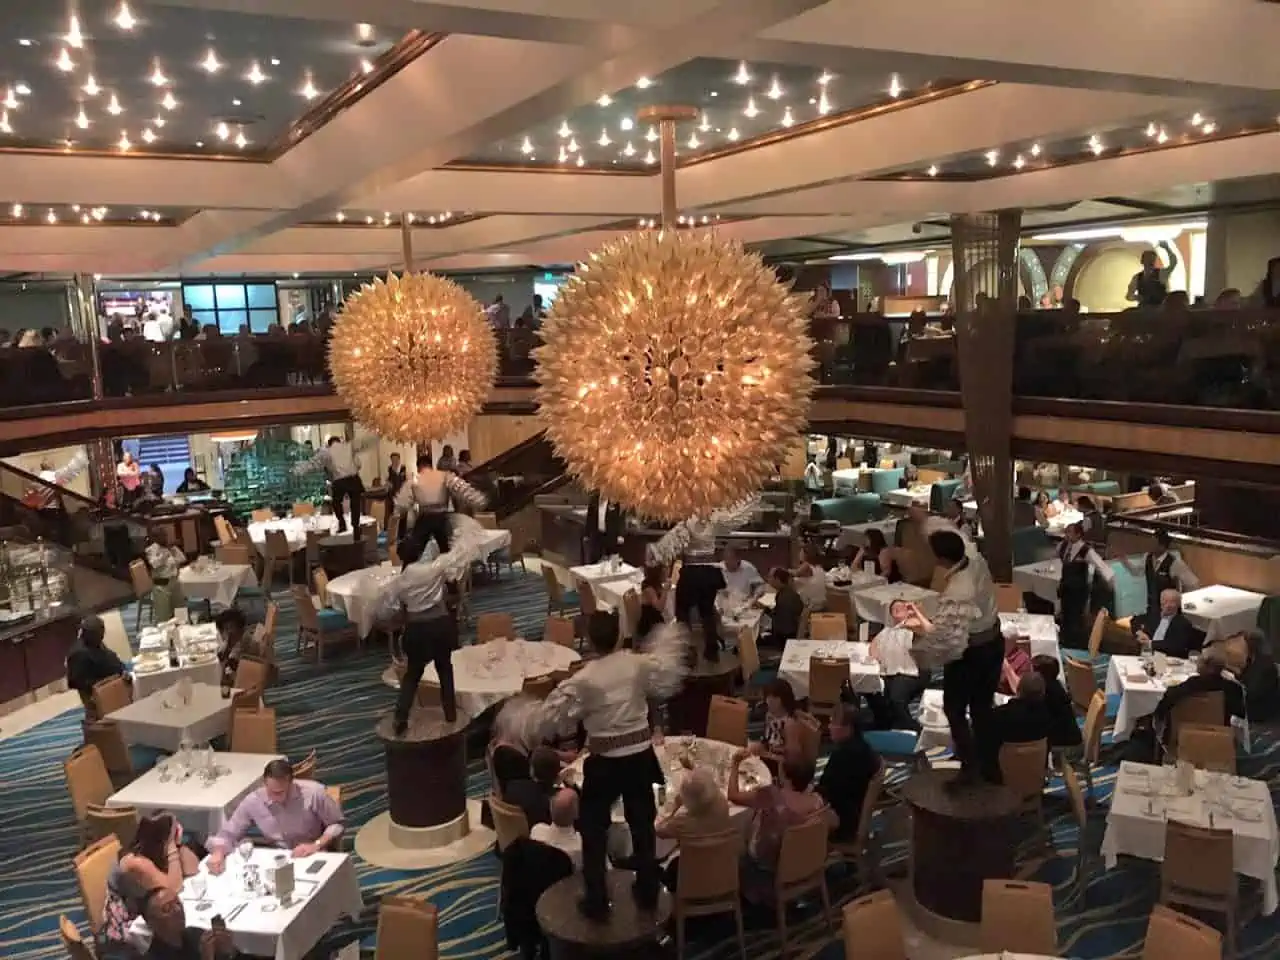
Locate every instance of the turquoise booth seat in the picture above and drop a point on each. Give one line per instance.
(882, 481)
(1030, 545)
(858, 508)
(941, 492)
(1103, 488)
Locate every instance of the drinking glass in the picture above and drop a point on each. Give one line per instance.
(199, 885)
(245, 849)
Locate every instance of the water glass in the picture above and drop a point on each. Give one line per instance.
(199, 885)
(245, 849)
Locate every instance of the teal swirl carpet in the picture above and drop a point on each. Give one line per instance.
(332, 708)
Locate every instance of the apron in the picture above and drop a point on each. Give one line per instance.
(1073, 599)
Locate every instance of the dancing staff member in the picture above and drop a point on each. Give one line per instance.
(432, 492)
(1080, 565)
(340, 460)
(610, 697)
(701, 579)
(605, 526)
(397, 476)
(1163, 570)
(418, 594)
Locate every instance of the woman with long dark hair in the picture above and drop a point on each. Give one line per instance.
(156, 858)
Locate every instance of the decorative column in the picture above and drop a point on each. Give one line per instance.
(83, 299)
(985, 250)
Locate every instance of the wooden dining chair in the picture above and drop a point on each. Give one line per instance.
(318, 632)
(251, 672)
(559, 630)
(873, 928)
(303, 509)
(509, 821)
(1094, 721)
(802, 868)
(407, 927)
(1017, 917)
(72, 942)
(88, 781)
(276, 554)
(828, 677)
(727, 720)
(828, 626)
(262, 515)
(840, 603)
(1008, 598)
(119, 822)
(253, 731)
(557, 599)
(1171, 934)
(106, 736)
(1203, 709)
(1081, 683)
(378, 511)
(110, 695)
(864, 848)
(248, 699)
(140, 578)
(93, 866)
(320, 580)
(1087, 844)
(222, 527)
(749, 664)
(492, 626)
(305, 769)
(232, 554)
(1022, 769)
(708, 883)
(1207, 747)
(631, 611)
(1199, 872)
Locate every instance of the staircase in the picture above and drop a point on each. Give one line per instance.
(514, 477)
(172, 454)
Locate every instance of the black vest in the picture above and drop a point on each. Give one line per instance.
(1075, 574)
(1159, 578)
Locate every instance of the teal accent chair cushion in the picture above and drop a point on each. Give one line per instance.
(1104, 488)
(941, 492)
(1131, 592)
(331, 620)
(882, 481)
(858, 508)
(892, 743)
(1030, 545)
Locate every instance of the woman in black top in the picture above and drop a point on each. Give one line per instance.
(653, 599)
(878, 551)
(191, 483)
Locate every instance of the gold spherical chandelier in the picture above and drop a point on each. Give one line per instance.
(414, 356)
(674, 373)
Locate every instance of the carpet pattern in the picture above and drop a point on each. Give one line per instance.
(333, 707)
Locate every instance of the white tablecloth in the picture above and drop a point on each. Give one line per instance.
(1040, 578)
(1145, 799)
(1057, 525)
(920, 493)
(198, 661)
(492, 541)
(295, 529)
(259, 924)
(873, 603)
(855, 535)
(356, 594)
(1040, 627)
(842, 578)
(672, 754)
(216, 582)
(864, 672)
(594, 573)
(1220, 610)
(207, 671)
(935, 732)
(199, 806)
(847, 479)
(485, 674)
(149, 722)
(1140, 694)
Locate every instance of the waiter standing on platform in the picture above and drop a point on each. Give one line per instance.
(606, 524)
(432, 493)
(1080, 565)
(340, 460)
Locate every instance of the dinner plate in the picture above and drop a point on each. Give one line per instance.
(149, 667)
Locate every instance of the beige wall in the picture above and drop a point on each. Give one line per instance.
(1237, 250)
(492, 435)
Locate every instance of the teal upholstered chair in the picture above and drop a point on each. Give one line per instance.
(1030, 545)
(858, 508)
(1131, 592)
(941, 493)
(883, 481)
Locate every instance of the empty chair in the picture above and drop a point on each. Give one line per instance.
(251, 672)
(1209, 748)
(106, 736)
(708, 883)
(232, 554)
(302, 509)
(253, 731)
(87, 780)
(93, 865)
(559, 630)
(1204, 709)
(802, 863)
(1018, 917)
(1199, 872)
(873, 928)
(249, 699)
(492, 626)
(119, 822)
(110, 695)
(727, 720)
(828, 626)
(319, 628)
(140, 577)
(222, 526)
(827, 679)
(275, 554)
(407, 927)
(558, 599)
(1008, 598)
(841, 603)
(1171, 934)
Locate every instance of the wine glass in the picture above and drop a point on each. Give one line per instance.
(199, 885)
(245, 849)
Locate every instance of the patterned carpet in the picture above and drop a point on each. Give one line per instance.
(332, 708)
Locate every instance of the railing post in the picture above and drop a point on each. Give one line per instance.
(985, 251)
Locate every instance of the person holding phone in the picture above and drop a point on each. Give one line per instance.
(171, 938)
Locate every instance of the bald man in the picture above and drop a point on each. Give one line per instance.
(561, 832)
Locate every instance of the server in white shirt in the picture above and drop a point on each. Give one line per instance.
(1163, 569)
(610, 698)
(694, 541)
(418, 595)
(340, 460)
(606, 525)
(431, 494)
(1082, 568)
(740, 576)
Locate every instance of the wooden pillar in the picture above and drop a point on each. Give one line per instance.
(985, 249)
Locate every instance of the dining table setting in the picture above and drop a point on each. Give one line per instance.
(485, 674)
(1141, 682)
(196, 647)
(865, 674)
(214, 582)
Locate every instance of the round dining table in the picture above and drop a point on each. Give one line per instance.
(485, 674)
(295, 529)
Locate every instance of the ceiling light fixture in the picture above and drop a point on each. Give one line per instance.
(993, 157)
(23, 90)
(211, 63)
(124, 145)
(572, 145)
(5, 126)
(580, 162)
(651, 135)
(825, 78)
(255, 75)
(704, 125)
(1152, 130)
(1019, 162)
(366, 67)
(158, 122)
(24, 42)
(241, 140)
(733, 135)
(364, 31)
(527, 147)
(340, 217)
(113, 106)
(694, 142)
(368, 220)
(169, 101)
(1162, 136)
(91, 87)
(932, 171)
(11, 101)
(1096, 145)
(563, 157)
(1197, 119)
(565, 130)
(1209, 128)
(51, 216)
(605, 100)
(775, 89)
(895, 86)
(124, 18)
(157, 78)
(824, 105)
(629, 150)
(751, 110)
(604, 140)
(74, 37)
(148, 135)
(743, 76)
(16, 210)
(650, 159)
(626, 123)
(309, 91)
(1035, 149)
(223, 131)
(788, 119)
(644, 83)
(64, 61)
(82, 119)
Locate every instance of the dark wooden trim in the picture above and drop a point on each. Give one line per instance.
(909, 397)
(1146, 462)
(1155, 414)
(943, 439)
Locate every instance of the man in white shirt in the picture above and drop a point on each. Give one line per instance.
(431, 494)
(340, 461)
(560, 832)
(740, 576)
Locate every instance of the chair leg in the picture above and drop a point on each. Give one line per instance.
(680, 936)
(826, 903)
(137, 622)
(742, 931)
(782, 928)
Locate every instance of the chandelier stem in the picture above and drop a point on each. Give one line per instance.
(406, 242)
(667, 117)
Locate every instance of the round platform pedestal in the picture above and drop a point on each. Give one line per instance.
(628, 934)
(958, 840)
(687, 710)
(426, 790)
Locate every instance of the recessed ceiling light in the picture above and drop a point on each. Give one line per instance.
(565, 130)
(235, 102)
(563, 157)
(626, 123)
(751, 110)
(604, 140)
(580, 162)
(1209, 128)
(241, 140)
(704, 124)
(23, 90)
(1035, 149)
(169, 101)
(932, 171)
(364, 31)
(124, 18)
(5, 126)
(11, 101)
(74, 37)
(733, 135)
(274, 61)
(149, 135)
(341, 216)
(223, 131)
(309, 91)
(895, 86)
(604, 100)
(527, 147)
(113, 106)
(651, 134)
(24, 42)
(714, 93)
(824, 105)
(199, 143)
(51, 216)
(1196, 119)
(694, 142)
(157, 78)
(993, 157)
(825, 78)
(572, 145)
(16, 210)
(775, 90)
(743, 76)
(211, 63)
(367, 220)
(644, 83)
(255, 74)
(123, 144)
(650, 159)
(82, 119)
(1019, 162)
(1162, 136)
(629, 150)
(788, 119)
(91, 87)
(366, 67)
(64, 61)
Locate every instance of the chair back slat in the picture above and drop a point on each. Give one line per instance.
(88, 781)
(491, 626)
(873, 928)
(803, 852)
(1017, 917)
(1081, 683)
(110, 695)
(254, 730)
(509, 821)
(827, 679)
(93, 866)
(558, 630)
(727, 720)
(828, 626)
(709, 868)
(1172, 934)
(407, 927)
(140, 577)
(232, 554)
(1207, 747)
(119, 822)
(1022, 767)
(1198, 860)
(106, 736)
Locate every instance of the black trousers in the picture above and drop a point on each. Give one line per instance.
(968, 695)
(341, 489)
(433, 525)
(892, 709)
(604, 780)
(432, 640)
(696, 590)
(1073, 619)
